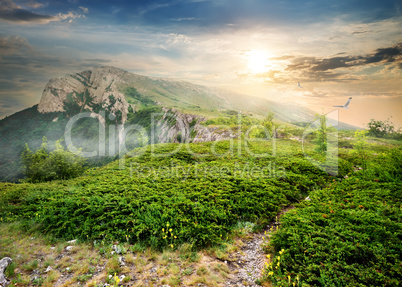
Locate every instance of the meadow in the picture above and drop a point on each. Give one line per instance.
(170, 195)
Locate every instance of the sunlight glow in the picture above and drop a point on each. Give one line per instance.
(257, 61)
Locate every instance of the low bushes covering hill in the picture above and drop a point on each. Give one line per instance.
(348, 234)
(179, 196)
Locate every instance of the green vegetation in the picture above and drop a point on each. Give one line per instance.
(233, 120)
(349, 234)
(134, 97)
(322, 134)
(28, 126)
(43, 165)
(361, 148)
(165, 201)
(200, 195)
(384, 129)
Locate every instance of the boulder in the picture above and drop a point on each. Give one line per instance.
(3, 265)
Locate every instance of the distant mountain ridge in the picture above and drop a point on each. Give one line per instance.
(119, 90)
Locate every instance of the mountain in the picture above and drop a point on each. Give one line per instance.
(107, 111)
(119, 90)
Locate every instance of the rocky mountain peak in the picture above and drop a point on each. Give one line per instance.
(85, 90)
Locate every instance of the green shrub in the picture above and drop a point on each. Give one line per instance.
(43, 165)
(349, 234)
(199, 202)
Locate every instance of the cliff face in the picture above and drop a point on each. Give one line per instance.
(87, 89)
(175, 126)
(98, 89)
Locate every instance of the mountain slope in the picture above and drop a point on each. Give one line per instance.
(120, 107)
(121, 90)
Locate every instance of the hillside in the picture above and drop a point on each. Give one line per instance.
(181, 199)
(125, 110)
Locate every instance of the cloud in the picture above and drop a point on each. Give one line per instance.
(84, 9)
(152, 7)
(389, 55)
(32, 4)
(11, 12)
(324, 66)
(184, 19)
(175, 39)
(11, 44)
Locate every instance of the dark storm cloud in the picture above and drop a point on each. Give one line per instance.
(319, 68)
(12, 12)
(389, 55)
(20, 15)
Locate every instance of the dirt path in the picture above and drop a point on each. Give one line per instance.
(247, 264)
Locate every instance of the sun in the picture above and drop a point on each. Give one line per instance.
(257, 61)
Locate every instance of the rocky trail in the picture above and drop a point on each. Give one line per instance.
(248, 263)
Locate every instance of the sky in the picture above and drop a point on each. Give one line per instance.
(335, 49)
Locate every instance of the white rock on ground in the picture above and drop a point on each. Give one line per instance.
(48, 269)
(3, 265)
(69, 248)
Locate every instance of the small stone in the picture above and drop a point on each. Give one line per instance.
(122, 277)
(52, 247)
(117, 249)
(48, 269)
(110, 276)
(69, 248)
(72, 241)
(121, 261)
(68, 269)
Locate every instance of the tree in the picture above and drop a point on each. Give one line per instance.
(322, 134)
(43, 165)
(380, 128)
(384, 129)
(269, 124)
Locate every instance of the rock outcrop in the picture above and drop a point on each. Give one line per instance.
(87, 89)
(3, 265)
(175, 126)
(98, 88)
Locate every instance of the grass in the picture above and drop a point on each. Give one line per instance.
(88, 267)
